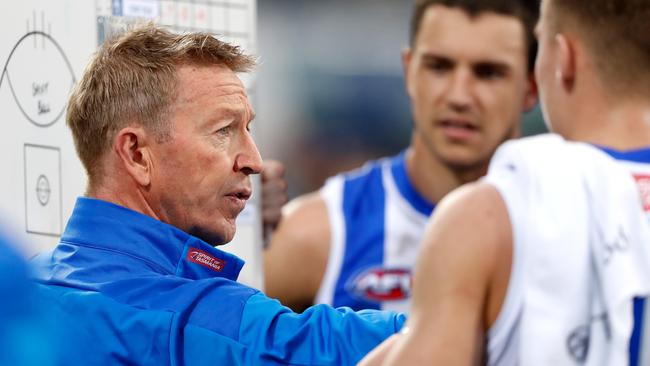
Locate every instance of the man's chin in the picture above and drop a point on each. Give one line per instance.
(465, 162)
(215, 237)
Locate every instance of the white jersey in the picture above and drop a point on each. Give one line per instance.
(377, 221)
(564, 304)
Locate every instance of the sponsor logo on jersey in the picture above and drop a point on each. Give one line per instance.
(200, 257)
(382, 284)
(643, 182)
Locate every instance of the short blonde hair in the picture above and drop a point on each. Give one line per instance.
(133, 79)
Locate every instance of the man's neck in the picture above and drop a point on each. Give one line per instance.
(621, 124)
(431, 177)
(123, 197)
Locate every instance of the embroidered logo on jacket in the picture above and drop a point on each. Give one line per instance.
(382, 284)
(200, 257)
(643, 182)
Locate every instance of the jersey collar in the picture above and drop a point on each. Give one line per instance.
(637, 156)
(166, 249)
(406, 188)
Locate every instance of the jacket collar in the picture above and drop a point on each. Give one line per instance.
(166, 249)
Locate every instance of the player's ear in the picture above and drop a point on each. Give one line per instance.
(565, 63)
(407, 58)
(133, 150)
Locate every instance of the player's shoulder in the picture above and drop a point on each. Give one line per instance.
(299, 245)
(307, 212)
(531, 149)
(549, 148)
(477, 200)
(541, 156)
(482, 249)
(369, 171)
(308, 215)
(361, 184)
(297, 255)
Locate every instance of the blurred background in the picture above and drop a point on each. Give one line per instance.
(330, 90)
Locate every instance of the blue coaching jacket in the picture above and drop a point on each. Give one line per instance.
(29, 332)
(138, 291)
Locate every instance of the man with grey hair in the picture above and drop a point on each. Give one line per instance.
(161, 123)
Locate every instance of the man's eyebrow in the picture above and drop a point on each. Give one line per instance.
(435, 57)
(498, 65)
(230, 112)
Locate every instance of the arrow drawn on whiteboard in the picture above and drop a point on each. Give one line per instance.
(40, 78)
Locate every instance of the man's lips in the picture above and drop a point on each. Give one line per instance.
(238, 198)
(241, 193)
(458, 128)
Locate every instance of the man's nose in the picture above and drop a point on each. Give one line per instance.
(248, 159)
(459, 90)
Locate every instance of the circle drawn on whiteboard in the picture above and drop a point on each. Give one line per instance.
(40, 78)
(43, 190)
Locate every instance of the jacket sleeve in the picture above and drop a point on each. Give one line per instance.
(321, 335)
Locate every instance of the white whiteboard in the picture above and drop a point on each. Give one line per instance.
(44, 47)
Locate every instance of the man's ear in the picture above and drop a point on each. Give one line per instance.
(532, 93)
(565, 63)
(407, 58)
(133, 147)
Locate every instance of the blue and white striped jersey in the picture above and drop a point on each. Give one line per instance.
(377, 221)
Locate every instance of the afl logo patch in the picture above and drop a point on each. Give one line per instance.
(381, 284)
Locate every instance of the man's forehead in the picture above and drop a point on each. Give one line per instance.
(217, 79)
(452, 31)
(211, 91)
(214, 90)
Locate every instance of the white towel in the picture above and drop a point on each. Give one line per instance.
(581, 252)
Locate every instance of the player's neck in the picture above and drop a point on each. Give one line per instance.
(432, 178)
(622, 124)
